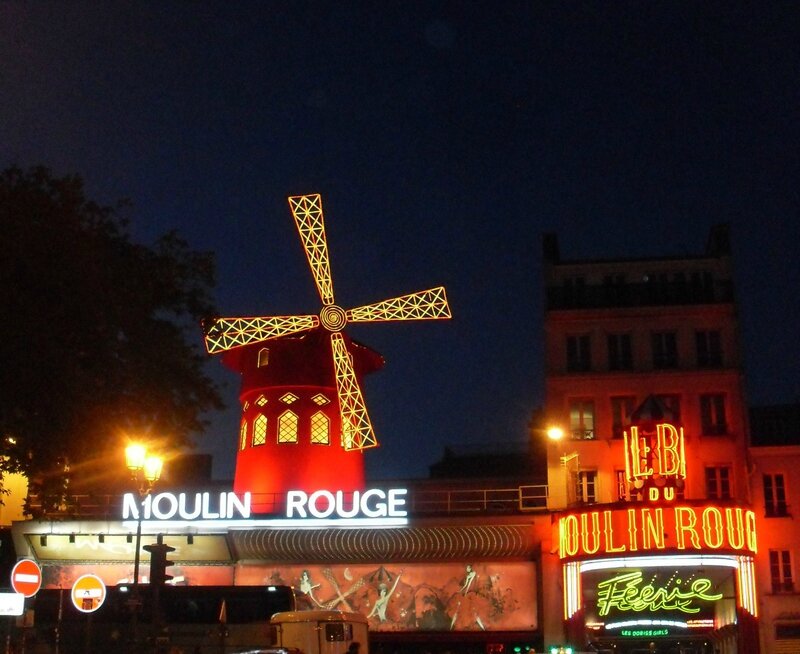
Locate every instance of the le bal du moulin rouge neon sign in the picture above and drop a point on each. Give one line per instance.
(655, 468)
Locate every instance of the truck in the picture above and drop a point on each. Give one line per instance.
(316, 632)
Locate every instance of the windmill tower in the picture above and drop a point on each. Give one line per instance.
(304, 422)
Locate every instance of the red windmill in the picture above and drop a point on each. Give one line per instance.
(304, 421)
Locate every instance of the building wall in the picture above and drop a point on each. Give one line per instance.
(779, 540)
(591, 302)
(634, 303)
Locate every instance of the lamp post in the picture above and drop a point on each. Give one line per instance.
(555, 435)
(145, 471)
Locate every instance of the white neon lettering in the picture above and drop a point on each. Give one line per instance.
(340, 510)
(397, 499)
(372, 504)
(208, 514)
(380, 507)
(166, 506)
(184, 512)
(171, 501)
(130, 508)
(295, 501)
(312, 504)
(242, 507)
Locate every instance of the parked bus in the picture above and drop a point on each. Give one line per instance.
(191, 619)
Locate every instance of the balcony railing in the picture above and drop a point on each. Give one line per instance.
(638, 295)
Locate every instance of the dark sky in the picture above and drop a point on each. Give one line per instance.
(445, 138)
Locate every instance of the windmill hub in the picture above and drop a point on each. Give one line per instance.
(333, 318)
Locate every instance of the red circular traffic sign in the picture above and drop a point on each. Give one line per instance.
(88, 593)
(26, 577)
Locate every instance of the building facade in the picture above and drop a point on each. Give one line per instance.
(649, 485)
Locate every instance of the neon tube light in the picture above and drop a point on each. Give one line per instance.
(647, 623)
(698, 560)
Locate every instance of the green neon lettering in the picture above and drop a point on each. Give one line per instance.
(625, 593)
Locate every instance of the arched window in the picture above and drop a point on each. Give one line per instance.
(243, 435)
(287, 428)
(260, 429)
(320, 429)
(263, 357)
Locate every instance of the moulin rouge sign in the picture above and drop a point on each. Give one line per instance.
(651, 529)
(369, 507)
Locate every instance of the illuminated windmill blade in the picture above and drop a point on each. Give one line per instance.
(357, 432)
(227, 333)
(307, 212)
(422, 305)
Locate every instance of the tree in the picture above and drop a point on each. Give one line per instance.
(99, 336)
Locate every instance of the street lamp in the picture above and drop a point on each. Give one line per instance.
(555, 435)
(145, 471)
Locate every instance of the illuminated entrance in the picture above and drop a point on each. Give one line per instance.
(677, 603)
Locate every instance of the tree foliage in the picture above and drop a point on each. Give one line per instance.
(99, 336)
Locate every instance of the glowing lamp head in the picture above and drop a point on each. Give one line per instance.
(152, 468)
(135, 455)
(555, 433)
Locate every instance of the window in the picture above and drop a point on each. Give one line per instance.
(712, 414)
(581, 419)
(620, 356)
(622, 485)
(780, 571)
(263, 357)
(587, 486)
(672, 403)
(338, 631)
(775, 496)
(243, 435)
(709, 349)
(621, 410)
(260, 429)
(574, 290)
(665, 350)
(718, 482)
(320, 429)
(287, 428)
(579, 353)
(787, 631)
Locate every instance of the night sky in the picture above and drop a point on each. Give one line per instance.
(445, 138)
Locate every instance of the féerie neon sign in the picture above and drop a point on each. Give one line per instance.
(624, 593)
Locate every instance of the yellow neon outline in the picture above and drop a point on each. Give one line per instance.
(357, 432)
(222, 334)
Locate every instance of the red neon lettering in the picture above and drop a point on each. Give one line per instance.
(712, 532)
(640, 449)
(632, 532)
(595, 532)
(669, 440)
(685, 522)
(735, 528)
(609, 529)
(653, 529)
(750, 527)
(569, 536)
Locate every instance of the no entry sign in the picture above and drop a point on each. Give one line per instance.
(26, 577)
(88, 593)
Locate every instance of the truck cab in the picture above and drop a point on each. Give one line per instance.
(320, 632)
